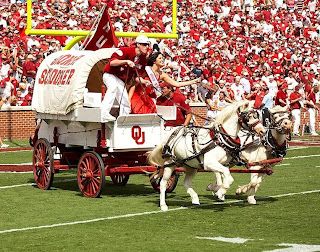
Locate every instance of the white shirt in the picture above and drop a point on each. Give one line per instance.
(273, 87)
(238, 91)
(3, 23)
(291, 82)
(7, 89)
(246, 85)
(312, 6)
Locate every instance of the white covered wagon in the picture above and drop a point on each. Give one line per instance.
(67, 96)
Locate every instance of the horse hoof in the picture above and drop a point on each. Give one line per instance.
(196, 202)
(213, 187)
(239, 191)
(251, 200)
(164, 208)
(221, 197)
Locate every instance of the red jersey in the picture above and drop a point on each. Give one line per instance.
(182, 108)
(258, 100)
(124, 72)
(280, 95)
(293, 96)
(29, 66)
(311, 97)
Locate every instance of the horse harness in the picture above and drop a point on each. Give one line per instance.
(219, 137)
(268, 140)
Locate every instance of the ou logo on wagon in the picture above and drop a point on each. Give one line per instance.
(137, 135)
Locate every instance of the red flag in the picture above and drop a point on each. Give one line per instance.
(103, 36)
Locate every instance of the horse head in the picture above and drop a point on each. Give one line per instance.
(281, 119)
(249, 118)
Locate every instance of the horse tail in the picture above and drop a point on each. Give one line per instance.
(155, 156)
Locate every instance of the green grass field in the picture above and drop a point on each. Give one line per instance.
(128, 218)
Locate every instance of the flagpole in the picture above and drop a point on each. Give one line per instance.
(93, 27)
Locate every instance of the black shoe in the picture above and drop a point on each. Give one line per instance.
(166, 152)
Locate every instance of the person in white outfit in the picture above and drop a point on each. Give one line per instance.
(295, 105)
(120, 72)
(310, 105)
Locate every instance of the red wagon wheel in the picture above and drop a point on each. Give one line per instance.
(91, 178)
(171, 185)
(43, 169)
(119, 179)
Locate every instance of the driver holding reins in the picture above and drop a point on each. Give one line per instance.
(120, 73)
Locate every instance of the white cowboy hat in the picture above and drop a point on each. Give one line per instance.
(142, 39)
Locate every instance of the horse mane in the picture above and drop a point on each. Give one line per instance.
(278, 108)
(228, 111)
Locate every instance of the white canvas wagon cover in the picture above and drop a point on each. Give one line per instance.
(63, 76)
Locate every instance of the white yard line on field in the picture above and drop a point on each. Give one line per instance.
(134, 214)
(282, 164)
(297, 157)
(13, 186)
(16, 172)
(88, 221)
(32, 184)
(236, 240)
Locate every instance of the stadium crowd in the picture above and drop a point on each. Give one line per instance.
(262, 50)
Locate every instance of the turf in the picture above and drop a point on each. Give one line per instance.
(14, 158)
(275, 220)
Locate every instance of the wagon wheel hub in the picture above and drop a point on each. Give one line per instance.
(40, 164)
(88, 174)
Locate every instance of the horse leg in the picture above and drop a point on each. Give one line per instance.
(215, 166)
(214, 187)
(189, 175)
(163, 187)
(256, 180)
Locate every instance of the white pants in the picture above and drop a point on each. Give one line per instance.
(312, 120)
(116, 90)
(296, 118)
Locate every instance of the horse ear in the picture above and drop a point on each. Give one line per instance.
(245, 105)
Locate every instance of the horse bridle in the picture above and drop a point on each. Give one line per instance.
(277, 125)
(244, 118)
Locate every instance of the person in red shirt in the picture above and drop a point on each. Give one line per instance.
(29, 68)
(119, 72)
(260, 93)
(281, 96)
(295, 105)
(171, 98)
(183, 111)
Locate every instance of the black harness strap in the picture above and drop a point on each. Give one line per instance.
(212, 144)
(276, 149)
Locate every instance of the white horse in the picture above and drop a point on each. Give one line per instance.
(195, 148)
(273, 145)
